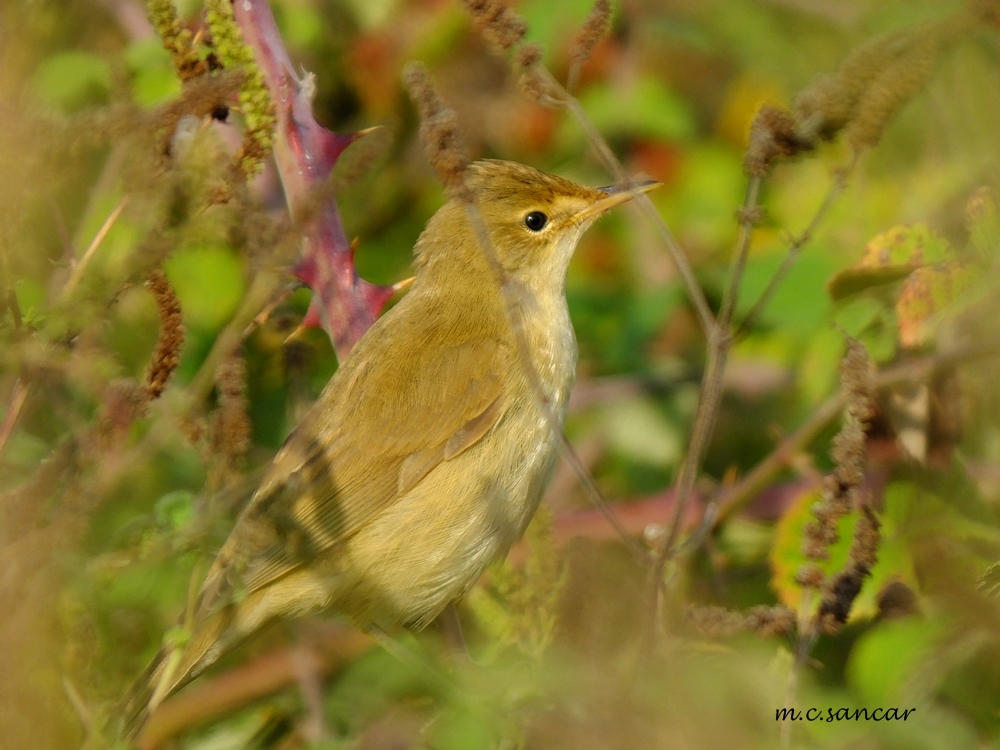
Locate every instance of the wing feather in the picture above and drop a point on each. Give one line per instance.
(373, 435)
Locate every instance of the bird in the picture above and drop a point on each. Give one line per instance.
(426, 455)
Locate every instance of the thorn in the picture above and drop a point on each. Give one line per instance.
(377, 294)
(366, 131)
(294, 335)
(307, 85)
(401, 285)
(311, 320)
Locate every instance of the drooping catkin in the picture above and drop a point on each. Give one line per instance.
(858, 100)
(167, 353)
(439, 132)
(176, 39)
(879, 102)
(772, 136)
(843, 588)
(255, 99)
(532, 77)
(873, 82)
(841, 487)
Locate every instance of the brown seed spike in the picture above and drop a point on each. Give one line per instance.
(772, 136)
(167, 354)
(528, 55)
(596, 26)
(439, 132)
(501, 27)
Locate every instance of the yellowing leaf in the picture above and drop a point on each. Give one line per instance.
(915, 244)
(786, 558)
(925, 293)
(889, 257)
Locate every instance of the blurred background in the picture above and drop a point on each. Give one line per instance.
(110, 514)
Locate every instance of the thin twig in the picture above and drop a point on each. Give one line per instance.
(611, 162)
(796, 246)
(14, 405)
(249, 682)
(102, 233)
(709, 400)
(739, 495)
(747, 220)
(76, 700)
(598, 500)
(262, 317)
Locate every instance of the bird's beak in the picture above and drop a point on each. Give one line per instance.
(613, 196)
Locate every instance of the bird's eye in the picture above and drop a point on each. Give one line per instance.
(536, 221)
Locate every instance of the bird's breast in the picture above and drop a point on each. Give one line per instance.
(431, 545)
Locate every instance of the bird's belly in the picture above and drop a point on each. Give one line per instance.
(430, 546)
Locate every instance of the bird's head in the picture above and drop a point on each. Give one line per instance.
(534, 220)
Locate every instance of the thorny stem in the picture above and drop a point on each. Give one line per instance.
(796, 246)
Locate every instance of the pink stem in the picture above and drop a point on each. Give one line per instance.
(343, 303)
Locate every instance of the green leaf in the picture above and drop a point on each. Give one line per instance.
(209, 283)
(885, 661)
(72, 80)
(889, 257)
(852, 281)
(154, 80)
(647, 108)
(175, 509)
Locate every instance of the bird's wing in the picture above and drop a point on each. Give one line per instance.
(375, 435)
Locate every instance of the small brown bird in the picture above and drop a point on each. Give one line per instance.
(425, 457)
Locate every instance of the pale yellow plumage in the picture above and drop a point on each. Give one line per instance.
(426, 455)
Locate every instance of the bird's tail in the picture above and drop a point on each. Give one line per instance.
(174, 667)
